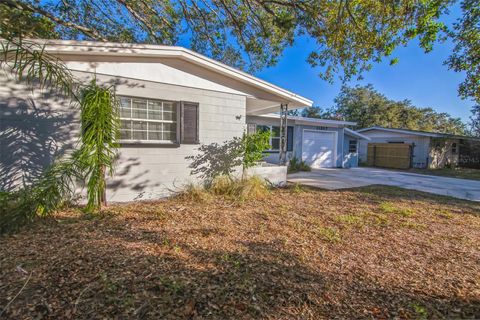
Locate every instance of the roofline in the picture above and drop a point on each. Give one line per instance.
(418, 133)
(312, 120)
(356, 134)
(74, 47)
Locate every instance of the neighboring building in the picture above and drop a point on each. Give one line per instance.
(428, 149)
(172, 101)
(320, 143)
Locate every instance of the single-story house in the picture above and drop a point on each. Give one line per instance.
(427, 149)
(173, 101)
(320, 143)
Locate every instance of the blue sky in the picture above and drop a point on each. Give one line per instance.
(419, 77)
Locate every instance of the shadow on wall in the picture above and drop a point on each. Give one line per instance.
(216, 159)
(32, 133)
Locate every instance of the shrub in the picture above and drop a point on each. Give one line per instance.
(254, 145)
(296, 165)
(196, 193)
(251, 188)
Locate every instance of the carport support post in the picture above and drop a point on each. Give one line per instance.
(283, 133)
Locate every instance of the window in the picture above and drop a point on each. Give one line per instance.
(321, 128)
(352, 146)
(148, 120)
(454, 148)
(274, 136)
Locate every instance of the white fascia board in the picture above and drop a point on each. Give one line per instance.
(71, 47)
(314, 120)
(414, 133)
(356, 134)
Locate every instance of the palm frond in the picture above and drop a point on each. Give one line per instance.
(30, 63)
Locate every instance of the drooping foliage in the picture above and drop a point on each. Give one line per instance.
(100, 131)
(350, 35)
(95, 156)
(367, 107)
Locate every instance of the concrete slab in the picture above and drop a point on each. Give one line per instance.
(333, 179)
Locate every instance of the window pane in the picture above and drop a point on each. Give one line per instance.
(139, 135)
(275, 143)
(125, 102)
(125, 135)
(154, 115)
(275, 131)
(169, 136)
(125, 124)
(263, 128)
(170, 127)
(170, 116)
(139, 125)
(154, 135)
(125, 113)
(168, 107)
(139, 104)
(139, 114)
(155, 126)
(154, 105)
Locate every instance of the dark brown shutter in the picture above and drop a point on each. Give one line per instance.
(189, 123)
(289, 138)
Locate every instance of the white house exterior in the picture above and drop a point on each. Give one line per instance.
(173, 100)
(320, 143)
(429, 149)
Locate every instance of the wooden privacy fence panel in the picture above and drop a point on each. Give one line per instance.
(389, 155)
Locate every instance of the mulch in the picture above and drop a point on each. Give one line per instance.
(376, 252)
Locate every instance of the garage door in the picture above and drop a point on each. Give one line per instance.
(318, 148)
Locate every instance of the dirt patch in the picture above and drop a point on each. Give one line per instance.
(377, 252)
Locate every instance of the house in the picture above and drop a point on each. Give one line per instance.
(427, 149)
(173, 101)
(320, 143)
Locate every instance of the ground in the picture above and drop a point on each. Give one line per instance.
(461, 173)
(336, 178)
(374, 252)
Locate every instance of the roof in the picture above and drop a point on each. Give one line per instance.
(312, 120)
(72, 47)
(355, 134)
(417, 133)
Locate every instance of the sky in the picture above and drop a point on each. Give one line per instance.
(419, 77)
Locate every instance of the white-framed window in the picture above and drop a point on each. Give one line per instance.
(352, 146)
(454, 148)
(274, 136)
(148, 120)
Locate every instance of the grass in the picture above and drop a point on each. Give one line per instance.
(461, 173)
(373, 252)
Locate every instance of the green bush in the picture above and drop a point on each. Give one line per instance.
(296, 165)
(254, 145)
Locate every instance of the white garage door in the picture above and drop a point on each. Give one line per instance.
(318, 148)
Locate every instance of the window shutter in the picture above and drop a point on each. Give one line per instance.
(189, 123)
(289, 138)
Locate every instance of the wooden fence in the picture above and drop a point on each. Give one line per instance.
(389, 155)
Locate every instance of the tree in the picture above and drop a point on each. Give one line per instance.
(465, 56)
(350, 35)
(475, 121)
(368, 108)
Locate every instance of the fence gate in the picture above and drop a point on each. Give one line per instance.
(389, 155)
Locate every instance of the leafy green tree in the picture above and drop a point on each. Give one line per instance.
(350, 35)
(368, 108)
(475, 122)
(254, 145)
(465, 56)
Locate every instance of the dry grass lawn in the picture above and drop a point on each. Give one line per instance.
(376, 252)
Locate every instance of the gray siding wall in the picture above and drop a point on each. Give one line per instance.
(48, 127)
(420, 151)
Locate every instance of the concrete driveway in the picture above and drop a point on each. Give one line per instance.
(333, 179)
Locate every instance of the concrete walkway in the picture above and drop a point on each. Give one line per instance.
(333, 179)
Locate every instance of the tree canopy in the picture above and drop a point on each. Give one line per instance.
(368, 108)
(350, 35)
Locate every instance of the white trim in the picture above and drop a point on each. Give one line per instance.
(356, 134)
(335, 154)
(92, 48)
(419, 133)
(303, 120)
